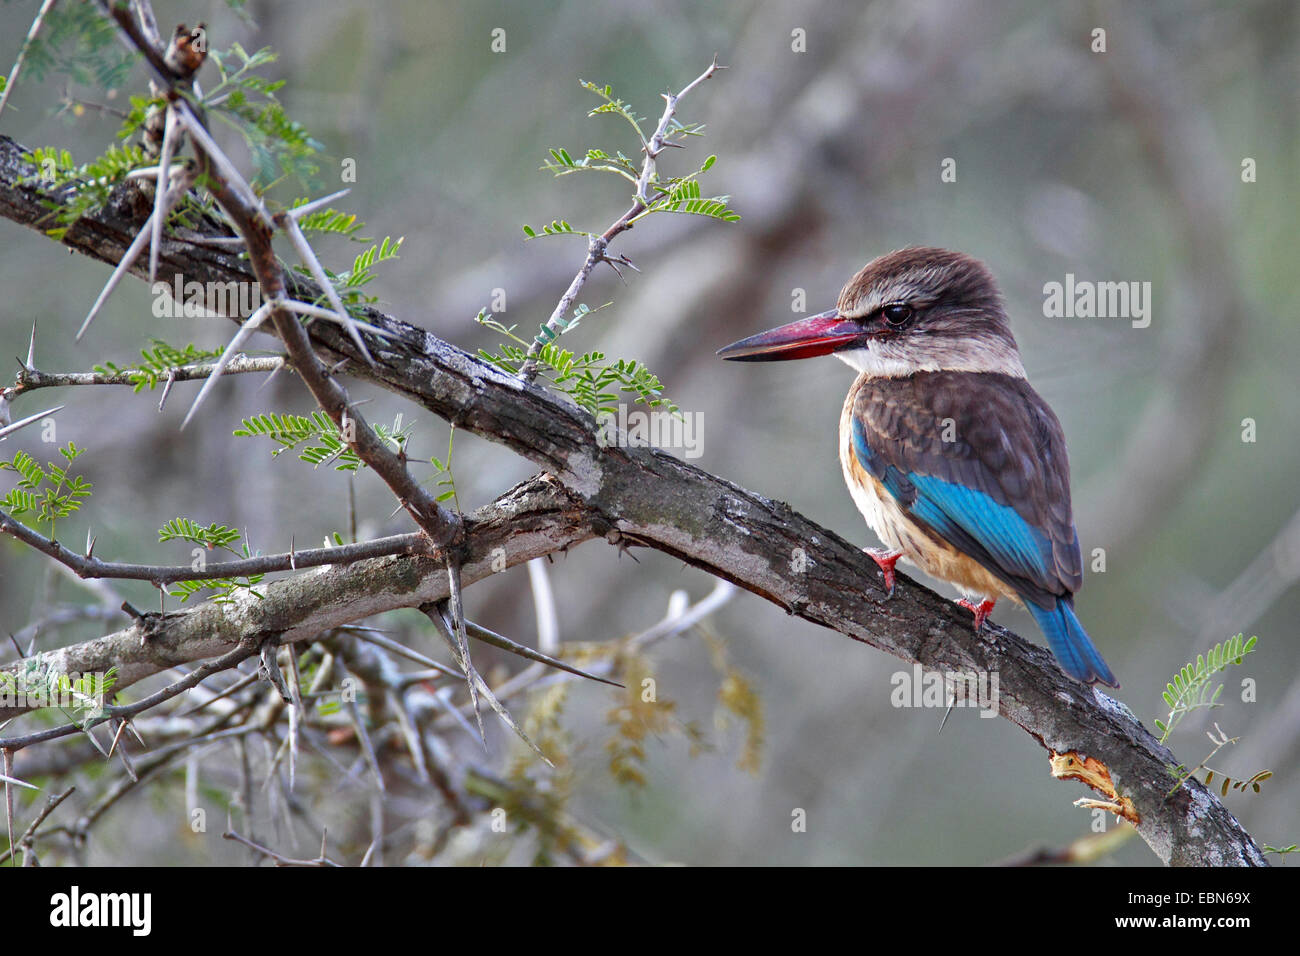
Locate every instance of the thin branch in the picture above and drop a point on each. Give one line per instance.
(30, 379)
(253, 223)
(225, 662)
(320, 861)
(598, 244)
(658, 140)
(91, 567)
(142, 36)
(25, 841)
(22, 54)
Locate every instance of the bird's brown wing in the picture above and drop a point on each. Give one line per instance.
(980, 460)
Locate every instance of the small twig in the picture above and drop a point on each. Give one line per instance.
(226, 661)
(1219, 743)
(409, 733)
(70, 102)
(233, 195)
(31, 379)
(279, 860)
(598, 244)
(25, 841)
(91, 567)
(657, 140)
(22, 54)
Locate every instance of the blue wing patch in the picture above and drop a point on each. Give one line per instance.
(992, 533)
(1019, 548)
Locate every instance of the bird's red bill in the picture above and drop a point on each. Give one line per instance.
(818, 334)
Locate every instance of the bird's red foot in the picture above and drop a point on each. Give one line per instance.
(981, 610)
(886, 561)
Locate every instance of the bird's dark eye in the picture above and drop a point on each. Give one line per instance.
(896, 314)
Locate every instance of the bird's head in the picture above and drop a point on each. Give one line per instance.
(914, 310)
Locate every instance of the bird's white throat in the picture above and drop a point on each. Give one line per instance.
(886, 359)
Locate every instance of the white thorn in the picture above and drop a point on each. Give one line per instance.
(315, 311)
(251, 325)
(297, 212)
(164, 162)
(10, 429)
(308, 256)
(20, 783)
(167, 389)
(132, 253)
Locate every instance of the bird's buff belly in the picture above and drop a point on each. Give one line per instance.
(899, 533)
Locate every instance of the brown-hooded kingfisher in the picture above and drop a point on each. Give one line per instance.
(957, 464)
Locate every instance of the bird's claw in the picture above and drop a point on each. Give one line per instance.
(981, 611)
(885, 560)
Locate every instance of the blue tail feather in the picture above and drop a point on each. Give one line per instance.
(1070, 643)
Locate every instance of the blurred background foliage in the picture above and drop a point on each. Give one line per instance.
(1121, 166)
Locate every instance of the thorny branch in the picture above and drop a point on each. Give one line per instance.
(627, 495)
(598, 246)
(30, 379)
(88, 566)
(320, 861)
